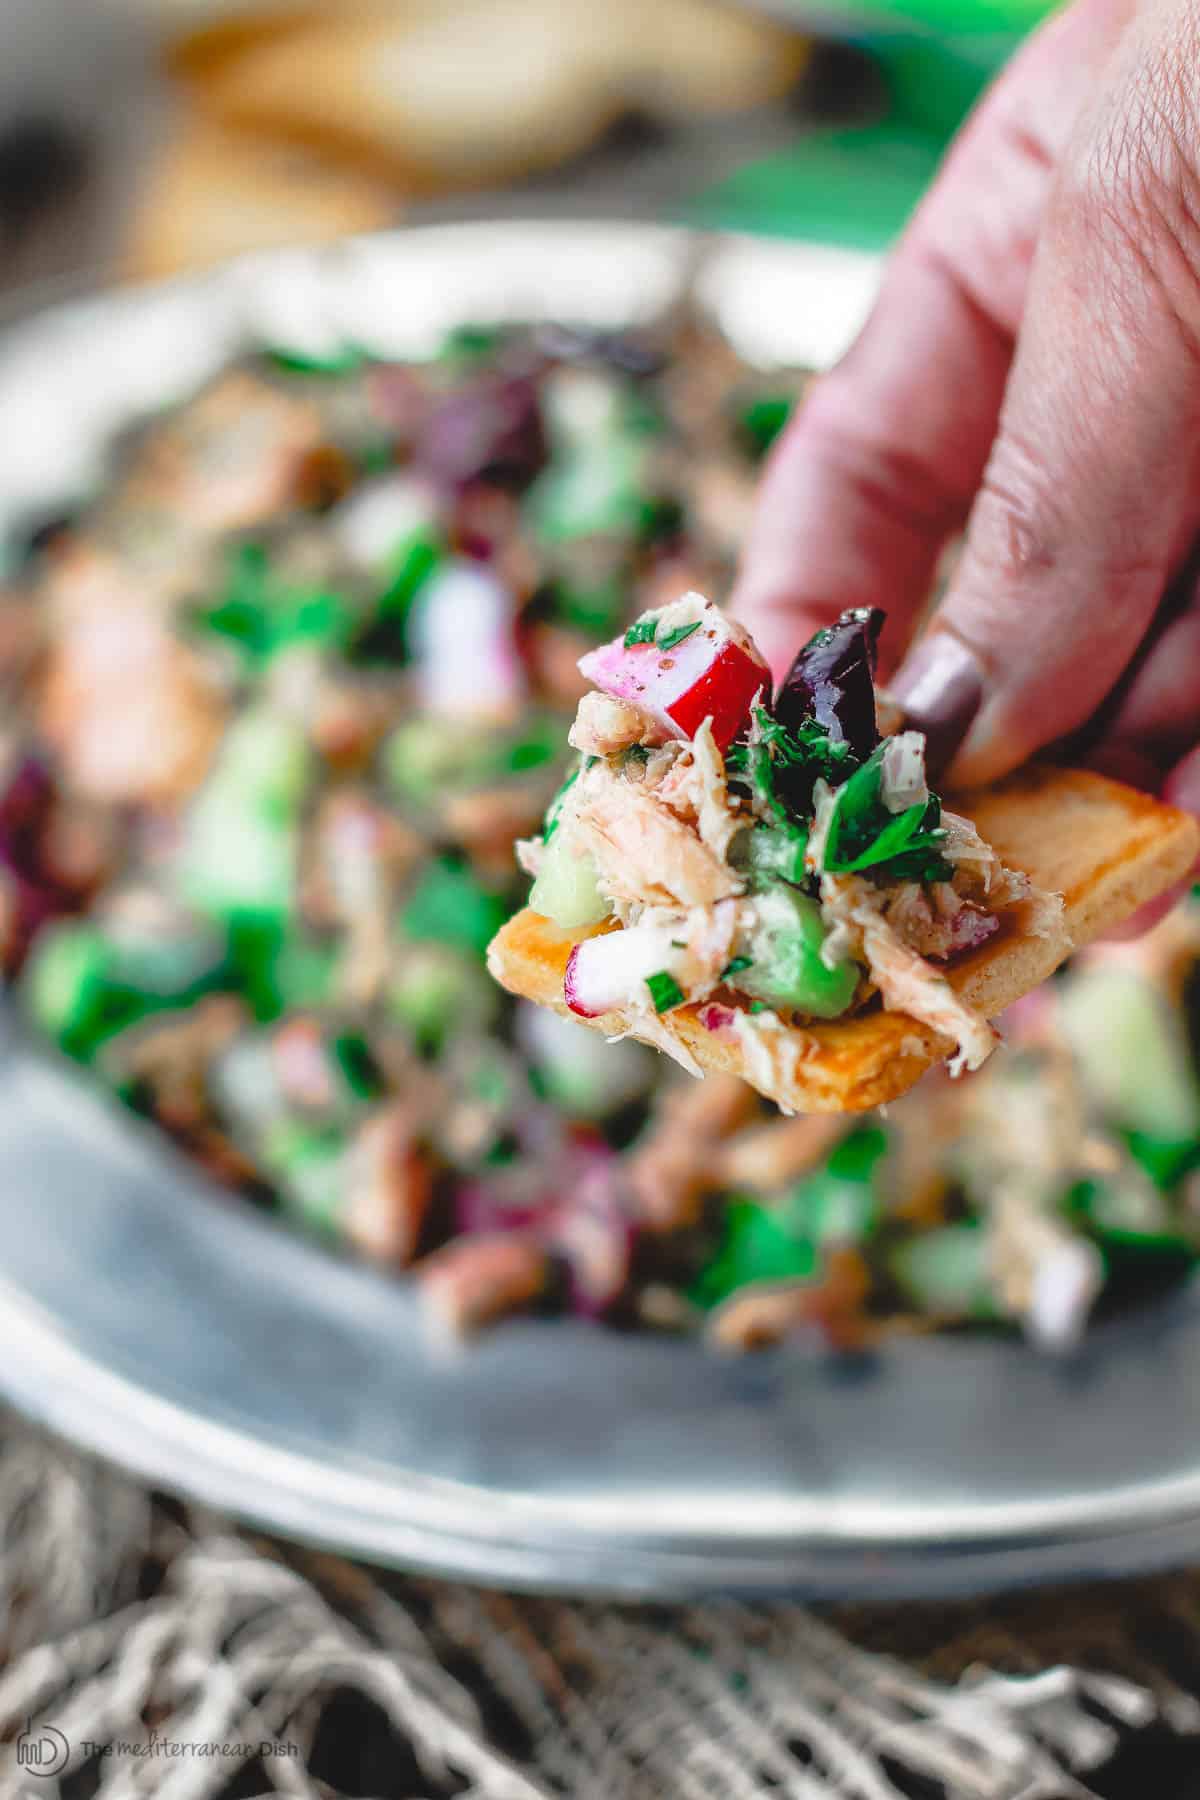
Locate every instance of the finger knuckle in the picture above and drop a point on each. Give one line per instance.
(1016, 528)
(1131, 188)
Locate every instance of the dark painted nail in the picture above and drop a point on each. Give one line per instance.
(940, 690)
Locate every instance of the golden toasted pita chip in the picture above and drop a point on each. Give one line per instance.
(1105, 848)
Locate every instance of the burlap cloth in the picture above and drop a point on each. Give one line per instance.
(132, 1622)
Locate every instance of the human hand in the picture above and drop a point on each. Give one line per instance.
(1031, 369)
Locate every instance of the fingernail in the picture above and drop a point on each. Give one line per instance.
(940, 689)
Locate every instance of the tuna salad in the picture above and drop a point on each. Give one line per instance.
(772, 859)
(281, 693)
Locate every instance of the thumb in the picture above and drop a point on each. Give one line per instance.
(1090, 495)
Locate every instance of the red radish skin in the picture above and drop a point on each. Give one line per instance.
(713, 673)
(724, 693)
(571, 987)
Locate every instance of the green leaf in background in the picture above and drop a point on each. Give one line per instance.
(947, 1272)
(782, 1240)
(1165, 1160)
(1127, 1216)
(856, 1157)
(851, 189)
(855, 188)
(761, 420)
(262, 615)
(757, 1245)
(448, 906)
(344, 360)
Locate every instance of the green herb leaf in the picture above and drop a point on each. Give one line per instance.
(756, 1245)
(353, 1056)
(677, 636)
(783, 765)
(904, 832)
(735, 965)
(762, 420)
(665, 991)
(448, 906)
(863, 834)
(854, 1159)
(641, 632)
(342, 361)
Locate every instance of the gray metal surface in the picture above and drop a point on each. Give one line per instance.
(201, 1345)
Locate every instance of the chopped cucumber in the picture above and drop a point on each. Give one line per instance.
(1132, 1050)
(237, 864)
(65, 985)
(438, 991)
(82, 984)
(566, 890)
(448, 906)
(771, 853)
(947, 1271)
(578, 1070)
(784, 947)
(305, 971)
(756, 1245)
(1128, 1214)
(309, 1165)
(428, 753)
(265, 758)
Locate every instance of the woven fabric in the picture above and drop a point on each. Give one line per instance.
(180, 1658)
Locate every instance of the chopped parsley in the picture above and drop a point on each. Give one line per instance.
(677, 636)
(863, 834)
(781, 766)
(665, 991)
(642, 632)
(352, 1054)
(735, 965)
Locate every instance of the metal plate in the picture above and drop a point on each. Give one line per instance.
(201, 1345)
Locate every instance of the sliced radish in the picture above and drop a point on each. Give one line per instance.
(611, 971)
(464, 643)
(712, 672)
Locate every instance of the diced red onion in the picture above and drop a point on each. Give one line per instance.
(492, 426)
(720, 1020)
